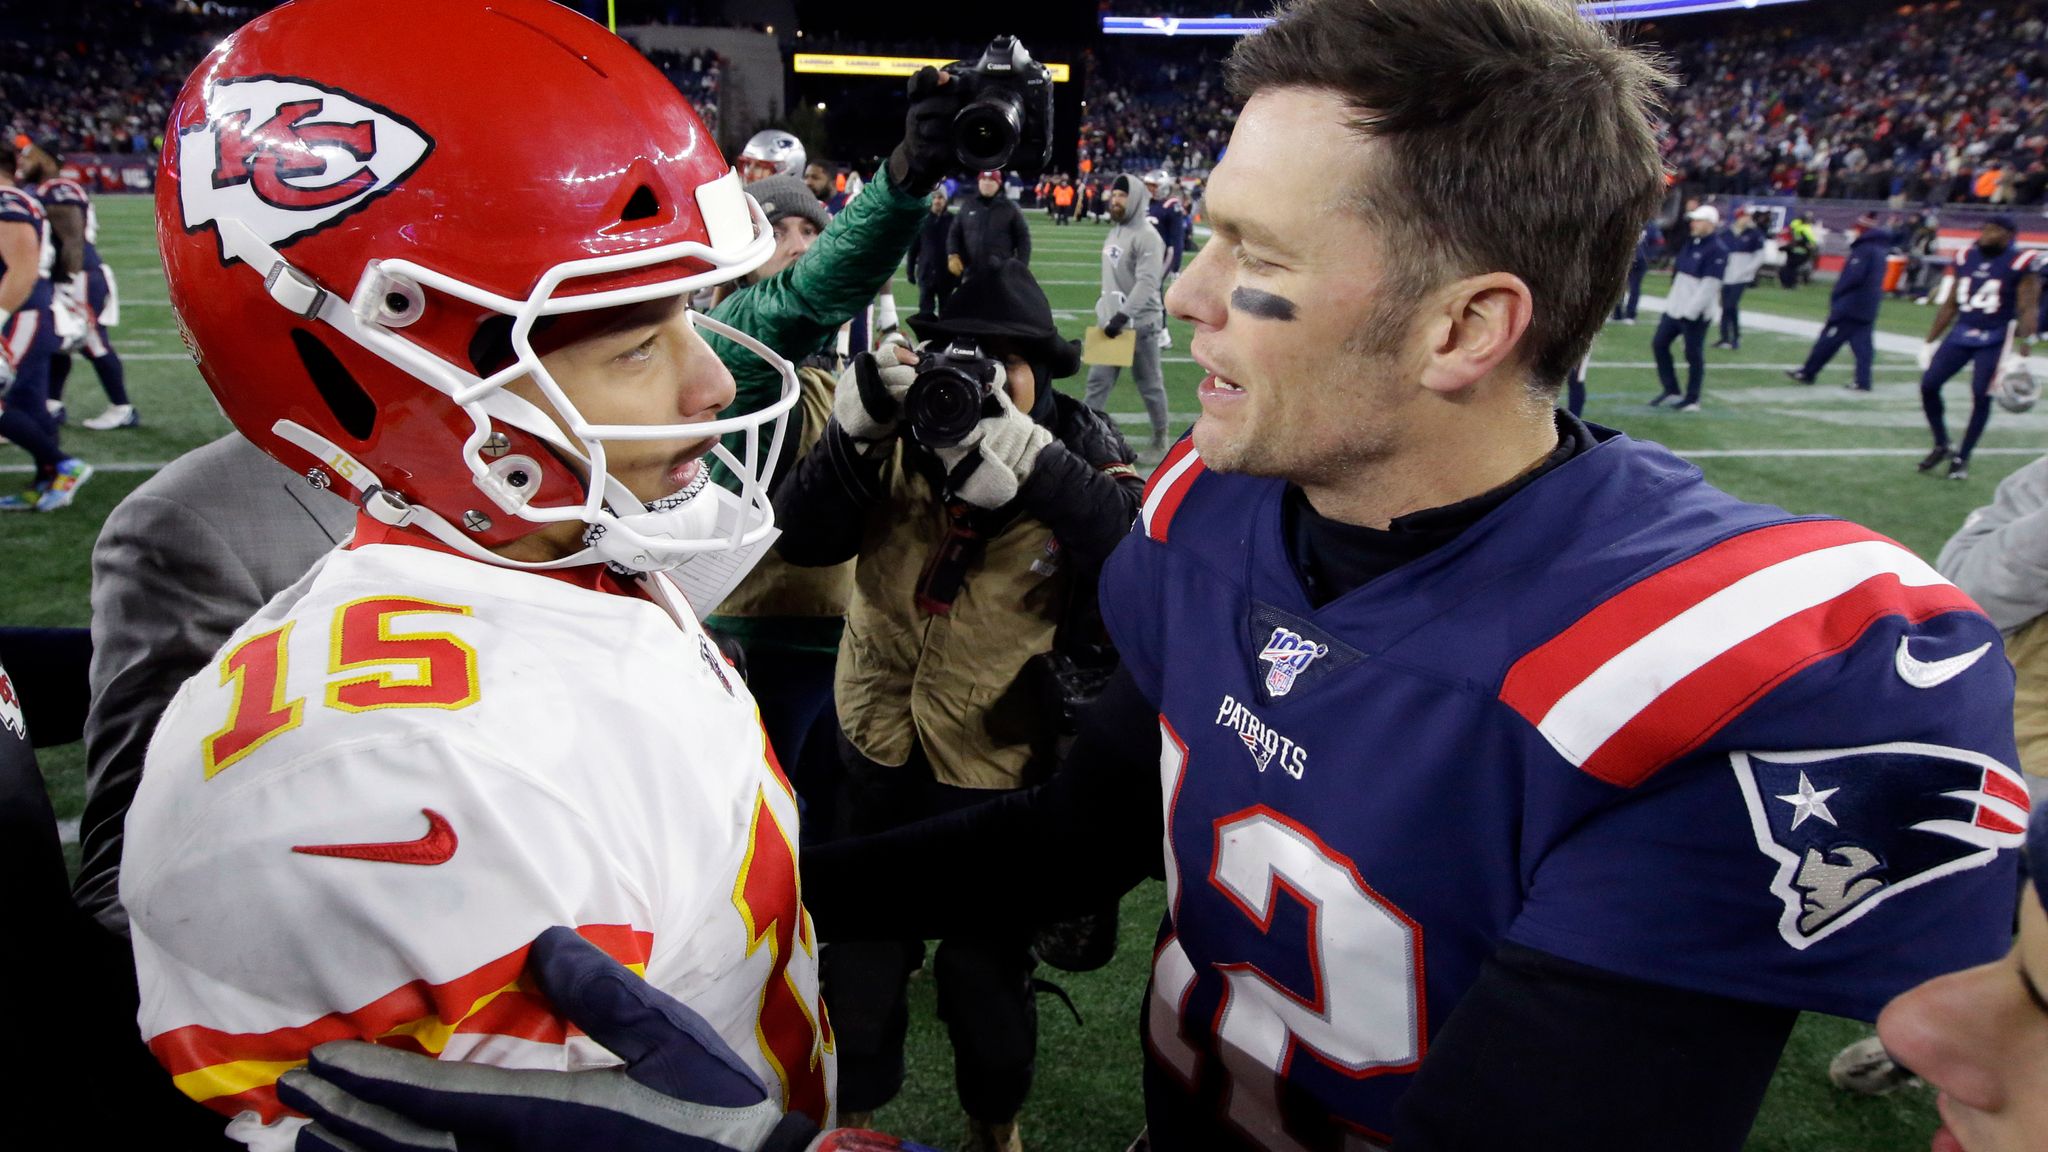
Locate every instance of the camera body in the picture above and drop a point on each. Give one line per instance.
(950, 393)
(1005, 117)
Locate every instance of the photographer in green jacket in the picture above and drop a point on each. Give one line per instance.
(825, 270)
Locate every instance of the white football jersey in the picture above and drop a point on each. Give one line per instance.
(355, 820)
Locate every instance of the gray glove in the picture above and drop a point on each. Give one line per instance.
(868, 403)
(986, 467)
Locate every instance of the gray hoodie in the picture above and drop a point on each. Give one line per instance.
(1133, 260)
(2000, 557)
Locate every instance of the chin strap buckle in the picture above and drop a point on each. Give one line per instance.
(295, 290)
(386, 508)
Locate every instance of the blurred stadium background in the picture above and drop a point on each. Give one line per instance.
(1927, 114)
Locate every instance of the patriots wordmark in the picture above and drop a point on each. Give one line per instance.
(1266, 746)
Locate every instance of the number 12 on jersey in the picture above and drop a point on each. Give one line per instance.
(1364, 1015)
(443, 674)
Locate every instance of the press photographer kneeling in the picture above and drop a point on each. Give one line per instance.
(980, 505)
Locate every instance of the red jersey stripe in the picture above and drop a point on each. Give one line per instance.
(1168, 487)
(2008, 790)
(1685, 715)
(1541, 678)
(487, 999)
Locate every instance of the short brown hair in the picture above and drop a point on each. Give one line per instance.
(1520, 140)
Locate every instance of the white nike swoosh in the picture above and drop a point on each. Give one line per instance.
(1930, 673)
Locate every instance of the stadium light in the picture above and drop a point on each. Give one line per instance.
(1246, 25)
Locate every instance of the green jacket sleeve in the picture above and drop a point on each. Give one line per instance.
(797, 310)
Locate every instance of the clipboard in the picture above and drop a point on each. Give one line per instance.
(1109, 351)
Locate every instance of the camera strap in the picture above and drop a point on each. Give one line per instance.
(946, 572)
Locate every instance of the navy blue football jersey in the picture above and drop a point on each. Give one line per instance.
(61, 190)
(1624, 719)
(17, 206)
(1987, 293)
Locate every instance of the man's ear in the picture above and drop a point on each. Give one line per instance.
(1472, 327)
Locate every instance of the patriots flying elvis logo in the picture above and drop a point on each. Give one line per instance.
(1846, 838)
(1290, 656)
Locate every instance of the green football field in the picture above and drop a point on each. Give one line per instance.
(1815, 449)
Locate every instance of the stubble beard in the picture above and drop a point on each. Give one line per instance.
(1328, 452)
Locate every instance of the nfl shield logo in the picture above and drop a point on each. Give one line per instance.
(1290, 656)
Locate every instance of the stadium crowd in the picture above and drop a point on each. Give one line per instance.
(1928, 103)
(696, 75)
(1151, 110)
(97, 79)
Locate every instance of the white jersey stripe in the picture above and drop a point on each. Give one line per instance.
(1162, 485)
(24, 335)
(1616, 692)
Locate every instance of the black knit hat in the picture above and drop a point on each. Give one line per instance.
(1006, 302)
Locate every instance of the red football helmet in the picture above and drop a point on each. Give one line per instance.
(361, 230)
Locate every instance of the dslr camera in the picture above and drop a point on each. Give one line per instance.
(946, 398)
(1005, 117)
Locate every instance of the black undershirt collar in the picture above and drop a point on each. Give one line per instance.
(1332, 558)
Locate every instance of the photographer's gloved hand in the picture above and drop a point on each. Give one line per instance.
(682, 1089)
(955, 265)
(869, 401)
(926, 153)
(987, 466)
(1116, 326)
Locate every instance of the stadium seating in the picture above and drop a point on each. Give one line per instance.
(1932, 103)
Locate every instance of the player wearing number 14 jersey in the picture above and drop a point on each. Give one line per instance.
(494, 710)
(1991, 297)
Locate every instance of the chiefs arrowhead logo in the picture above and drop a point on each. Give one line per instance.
(288, 157)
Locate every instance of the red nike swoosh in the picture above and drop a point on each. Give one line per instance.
(436, 847)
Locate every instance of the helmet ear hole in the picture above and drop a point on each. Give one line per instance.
(642, 205)
(491, 347)
(352, 407)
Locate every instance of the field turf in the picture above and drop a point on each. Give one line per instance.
(1810, 449)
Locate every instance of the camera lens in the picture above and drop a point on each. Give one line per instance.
(943, 406)
(985, 132)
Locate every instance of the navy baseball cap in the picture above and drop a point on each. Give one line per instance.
(2004, 220)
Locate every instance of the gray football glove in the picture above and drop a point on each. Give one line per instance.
(869, 401)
